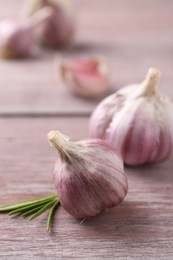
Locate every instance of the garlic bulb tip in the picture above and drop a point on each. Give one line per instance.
(59, 142)
(150, 82)
(52, 135)
(153, 73)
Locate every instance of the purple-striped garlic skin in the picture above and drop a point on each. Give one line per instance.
(17, 37)
(59, 29)
(15, 40)
(137, 121)
(89, 175)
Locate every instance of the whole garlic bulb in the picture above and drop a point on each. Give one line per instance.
(59, 29)
(86, 77)
(137, 120)
(17, 37)
(89, 175)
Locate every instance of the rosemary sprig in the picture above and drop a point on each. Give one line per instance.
(8, 207)
(33, 208)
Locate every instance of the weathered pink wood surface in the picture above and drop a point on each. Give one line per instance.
(140, 228)
(133, 35)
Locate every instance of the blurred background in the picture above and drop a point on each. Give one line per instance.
(132, 35)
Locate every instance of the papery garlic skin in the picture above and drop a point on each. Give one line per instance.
(17, 38)
(86, 77)
(59, 29)
(89, 175)
(15, 41)
(137, 121)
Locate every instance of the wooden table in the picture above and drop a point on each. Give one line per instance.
(133, 35)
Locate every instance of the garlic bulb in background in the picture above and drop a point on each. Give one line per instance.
(137, 120)
(89, 175)
(17, 37)
(86, 77)
(59, 29)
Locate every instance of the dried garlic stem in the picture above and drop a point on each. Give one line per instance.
(150, 82)
(59, 141)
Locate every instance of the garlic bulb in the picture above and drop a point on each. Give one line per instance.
(137, 120)
(17, 37)
(86, 77)
(59, 29)
(88, 174)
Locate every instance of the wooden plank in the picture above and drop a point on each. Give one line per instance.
(132, 35)
(140, 228)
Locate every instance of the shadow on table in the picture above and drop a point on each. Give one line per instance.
(89, 48)
(127, 221)
(157, 173)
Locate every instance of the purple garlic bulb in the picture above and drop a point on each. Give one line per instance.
(59, 29)
(89, 175)
(17, 38)
(136, 120)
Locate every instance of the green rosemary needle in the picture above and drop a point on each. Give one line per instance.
(28, 207)
(52, 210)
(43, 209)
(31, 211)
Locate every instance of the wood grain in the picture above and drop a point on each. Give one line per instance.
(140, 228)
(132, 35)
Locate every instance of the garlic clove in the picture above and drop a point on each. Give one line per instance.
(137, 121)
(59, 29)
(17, 37)
(86, 77)
(85, 188)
